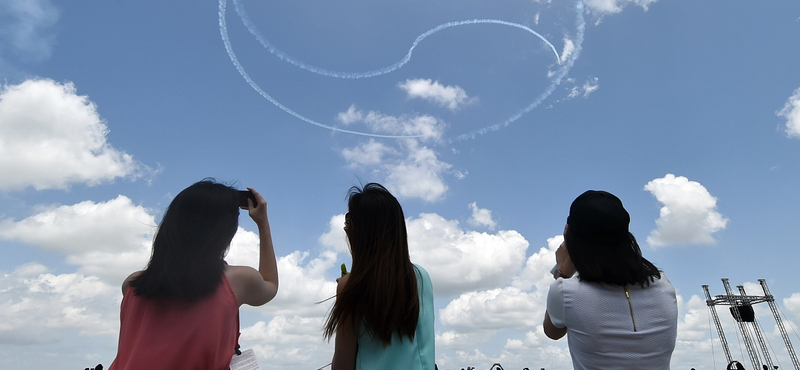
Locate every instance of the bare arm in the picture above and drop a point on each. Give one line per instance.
(550, 330)
(346, 345)
(253, 287)
(565, 270)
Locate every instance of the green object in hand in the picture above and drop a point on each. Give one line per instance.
(344, 270)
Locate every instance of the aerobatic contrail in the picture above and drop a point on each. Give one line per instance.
(558, 77)
(381, 71)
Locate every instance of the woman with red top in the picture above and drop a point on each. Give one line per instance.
(182, 311)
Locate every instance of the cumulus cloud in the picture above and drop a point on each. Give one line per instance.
(369, 153)
(492, 309)
(50, 137)
(108, 239)
(410, 168)
(419, 174)
(450, 97)
(791, 112)
(463, 260)
(302, 278)
(287, 342)
(352, 115)
(481, 217)
(424, 127)
(689, 214)
(335, 239)
(536, 273)
(38, 306)
(603, 7)
(792, 304)
(517, 303)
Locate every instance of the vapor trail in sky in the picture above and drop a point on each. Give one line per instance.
(558, 77)
(223, 29)
(381, 71)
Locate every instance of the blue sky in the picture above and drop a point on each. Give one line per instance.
(688, 111)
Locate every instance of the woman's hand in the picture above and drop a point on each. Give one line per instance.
(258, 211)
(259, 288)
(565, 267)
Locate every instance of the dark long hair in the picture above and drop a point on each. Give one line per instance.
(188, 250)
(610, 262)
(381, 292)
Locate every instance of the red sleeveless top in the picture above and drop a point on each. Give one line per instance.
(167, 334)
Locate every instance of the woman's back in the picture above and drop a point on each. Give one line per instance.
(163, 333)
(402, 353)
(608, 331)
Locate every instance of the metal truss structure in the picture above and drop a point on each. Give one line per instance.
(741, 307)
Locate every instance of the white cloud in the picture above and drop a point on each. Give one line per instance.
(514, 304)
(335, 239)
(350, 116)
(791, 111)
(536, 272)
(288, 342)
(689, 214)
(410, 168)
(481, 217)
(370, 153)
(109, 239)
(38, 306)
(303, 284)
(25, 25)
(302, 279)
(50, 137)
(792, 304)
(423, 127)
(459, 260)
(603, 7)
(493, 310)
(419, 174)
(451, 97)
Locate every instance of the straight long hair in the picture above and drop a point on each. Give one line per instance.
(619, 262)
(381, 292)
(188, 249)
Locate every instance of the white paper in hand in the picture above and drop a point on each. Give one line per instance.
(245, 361)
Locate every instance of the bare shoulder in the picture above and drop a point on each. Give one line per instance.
(249, 286)
(241, 274)
(127, 282)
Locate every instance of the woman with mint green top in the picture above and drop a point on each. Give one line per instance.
(383, 315)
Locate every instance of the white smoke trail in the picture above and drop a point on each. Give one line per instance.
(556, 81)
(381, 71)
(223, 29)
(562, 72)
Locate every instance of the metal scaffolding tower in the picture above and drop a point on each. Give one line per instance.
(741, 307)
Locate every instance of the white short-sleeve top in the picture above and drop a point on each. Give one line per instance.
(606, 330)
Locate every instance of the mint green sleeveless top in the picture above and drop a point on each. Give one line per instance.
(403, 354)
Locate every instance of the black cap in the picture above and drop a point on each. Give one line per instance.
(598, 215)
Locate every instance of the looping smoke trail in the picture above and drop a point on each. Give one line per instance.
(559, 76)
(223, 29)
(381, 71)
